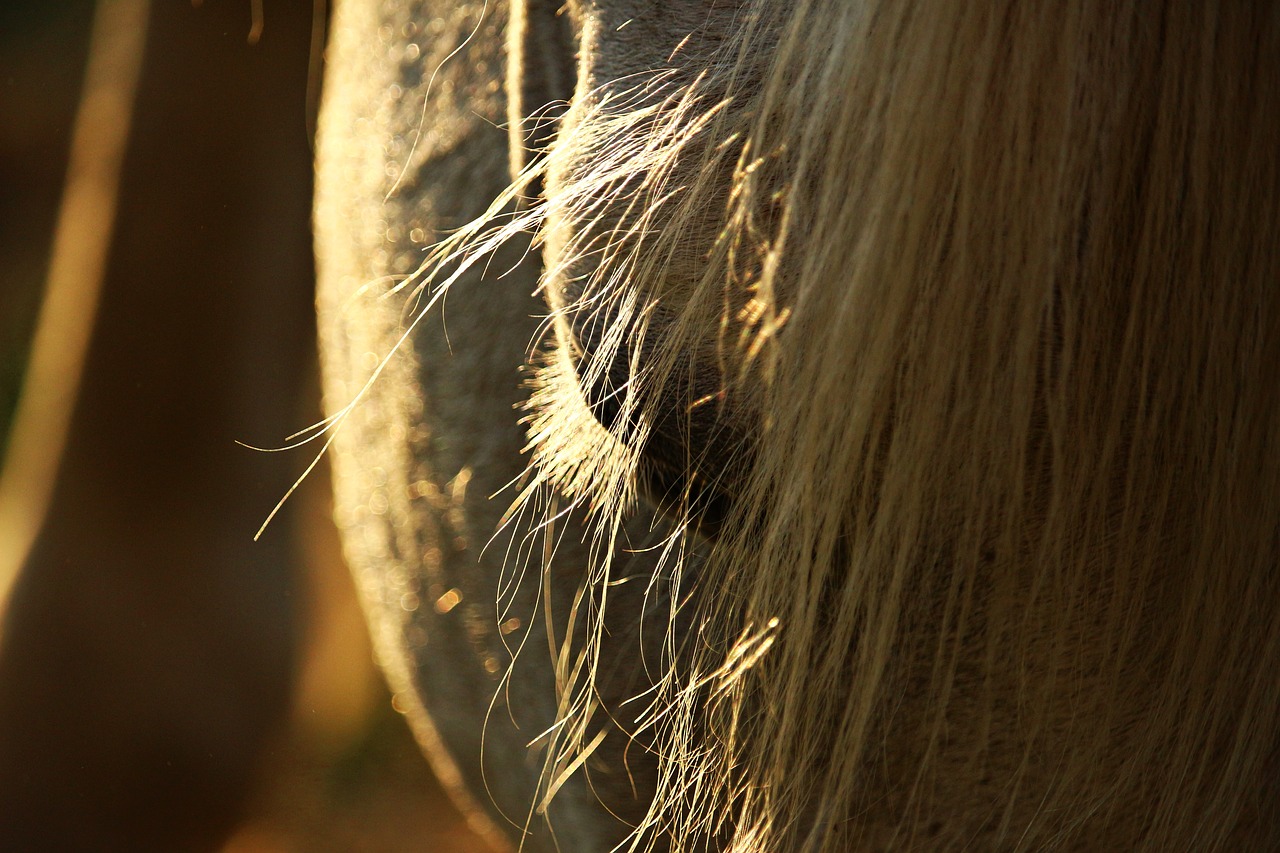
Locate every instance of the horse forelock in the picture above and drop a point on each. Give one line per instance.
(992, 296)
(993, 471)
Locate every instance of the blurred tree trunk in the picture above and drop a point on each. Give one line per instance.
(149, 648)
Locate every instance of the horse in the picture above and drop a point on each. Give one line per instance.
(814, 426)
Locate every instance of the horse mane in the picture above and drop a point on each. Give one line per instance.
(999, 288)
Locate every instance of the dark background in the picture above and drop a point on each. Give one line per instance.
(166, 683)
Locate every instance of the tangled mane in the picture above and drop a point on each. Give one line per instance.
(995, 291)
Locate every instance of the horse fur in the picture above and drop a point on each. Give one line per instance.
(942, 340)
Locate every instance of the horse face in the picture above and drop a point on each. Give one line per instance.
(998, 560)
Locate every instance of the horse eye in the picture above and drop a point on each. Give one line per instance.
(695, 443)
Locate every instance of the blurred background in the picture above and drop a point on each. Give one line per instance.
(167, 683)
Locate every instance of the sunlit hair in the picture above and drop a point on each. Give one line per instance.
(998, 286)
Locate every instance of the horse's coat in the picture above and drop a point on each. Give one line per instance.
(944, 339)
